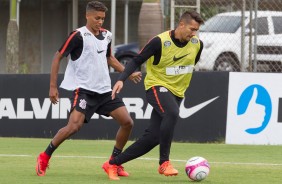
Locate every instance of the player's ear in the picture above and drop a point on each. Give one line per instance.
(88, 14)
(182, 24)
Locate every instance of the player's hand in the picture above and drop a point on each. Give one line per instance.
(54, 95)
(117, 88)
(136, 77)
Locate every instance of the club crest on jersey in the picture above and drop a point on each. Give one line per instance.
(109, 38)
(194, 40)
(82, 104)
(167, 43)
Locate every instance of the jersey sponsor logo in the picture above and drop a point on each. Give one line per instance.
(100, 51)
(178, 58)
(179, 70)
(87, 34)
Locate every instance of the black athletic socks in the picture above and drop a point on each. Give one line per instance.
(50, 149)
(116, 152)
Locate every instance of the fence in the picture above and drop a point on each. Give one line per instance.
(235, 44)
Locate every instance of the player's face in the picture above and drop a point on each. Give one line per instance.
(95, 20)
(189, 30)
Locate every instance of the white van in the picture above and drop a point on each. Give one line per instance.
(221, 36)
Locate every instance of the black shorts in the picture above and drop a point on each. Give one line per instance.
(89, 102)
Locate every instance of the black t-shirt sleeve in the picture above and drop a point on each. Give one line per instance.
(73, 45)
(109, 50)
(152, 48)
(200, 52)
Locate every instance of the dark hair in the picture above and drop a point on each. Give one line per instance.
(187, 16)
(96, 5)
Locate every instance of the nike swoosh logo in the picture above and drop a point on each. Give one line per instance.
(176, 59)
(187, 112)
(38, 169)
(100, 51)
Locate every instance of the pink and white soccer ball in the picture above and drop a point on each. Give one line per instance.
(197, 168)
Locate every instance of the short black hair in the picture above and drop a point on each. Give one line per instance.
(187, 16)
(96, 5)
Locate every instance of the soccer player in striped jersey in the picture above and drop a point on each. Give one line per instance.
(87, 75)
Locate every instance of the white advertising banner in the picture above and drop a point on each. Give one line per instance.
(253, 109)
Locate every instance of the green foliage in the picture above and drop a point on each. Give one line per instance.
(13, 9)
(208, 12)
(79, 162)
(24, 69)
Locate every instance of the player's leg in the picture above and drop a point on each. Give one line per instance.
(76, 120)
(116, 109)
(75, 123)
(169, 121)
(143, 145)
(167, 105)
(122, 116)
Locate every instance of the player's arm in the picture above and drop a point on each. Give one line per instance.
(53, 91)
(200, 52)
(73, 42)
(113, 62)
(153, 48)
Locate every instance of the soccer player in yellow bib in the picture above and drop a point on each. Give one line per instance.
(170, 57)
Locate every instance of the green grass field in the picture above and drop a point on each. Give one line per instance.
(79, 162)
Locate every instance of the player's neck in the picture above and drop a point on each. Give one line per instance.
(177, 35)
(93, 31)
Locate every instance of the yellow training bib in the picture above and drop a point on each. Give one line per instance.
(174, 71)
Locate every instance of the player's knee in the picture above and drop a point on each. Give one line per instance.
(151, 138)
(74, 127)
(173, 113)
(128, 124)
(153, 141)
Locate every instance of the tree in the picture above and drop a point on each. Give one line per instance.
(12, 45)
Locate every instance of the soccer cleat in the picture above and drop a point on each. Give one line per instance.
(42, 164)
(111, 170)
(121, 171)
(167, 169)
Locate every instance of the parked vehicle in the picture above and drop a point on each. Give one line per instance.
(221, 36)
(125, 52)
